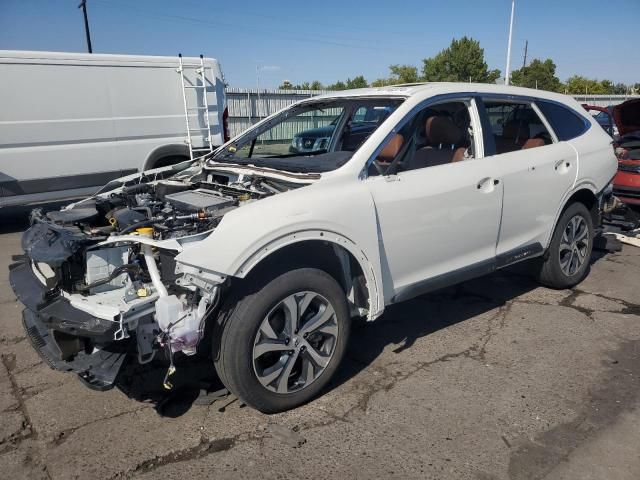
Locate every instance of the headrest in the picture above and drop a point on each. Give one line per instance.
(391, 149)
(515, 130)
(442, 131)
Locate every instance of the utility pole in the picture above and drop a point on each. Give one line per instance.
(83, 6)
(508, 69)
(526, 47)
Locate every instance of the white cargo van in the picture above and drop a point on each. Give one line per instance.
(70, 122)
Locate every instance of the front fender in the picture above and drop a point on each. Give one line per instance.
(340, 211)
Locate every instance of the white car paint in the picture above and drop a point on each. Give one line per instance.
(422, 223)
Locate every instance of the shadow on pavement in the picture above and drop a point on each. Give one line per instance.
(402, 325)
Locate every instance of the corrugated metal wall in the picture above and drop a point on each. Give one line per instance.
(247, 106)
(603, 100)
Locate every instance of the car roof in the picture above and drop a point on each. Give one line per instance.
(442, 88)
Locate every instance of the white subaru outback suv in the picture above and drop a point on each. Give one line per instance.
(259, 258)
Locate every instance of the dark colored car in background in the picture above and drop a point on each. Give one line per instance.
(626, 118)
(364, 121)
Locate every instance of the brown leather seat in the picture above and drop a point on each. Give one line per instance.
(391, 149)
(444, 137)
(514, 135)
(533, 143)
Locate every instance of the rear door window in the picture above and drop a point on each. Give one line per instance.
(566, 123)
(515, 126)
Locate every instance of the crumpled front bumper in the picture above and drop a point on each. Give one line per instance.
(67, 338)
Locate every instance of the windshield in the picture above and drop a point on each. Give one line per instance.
(314, 137)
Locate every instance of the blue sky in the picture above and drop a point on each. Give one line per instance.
(330, 40)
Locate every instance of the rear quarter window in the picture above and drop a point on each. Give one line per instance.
(565, 122)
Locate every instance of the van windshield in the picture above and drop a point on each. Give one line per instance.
(313, 137)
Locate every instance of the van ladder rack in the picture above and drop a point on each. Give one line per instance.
(202, 87)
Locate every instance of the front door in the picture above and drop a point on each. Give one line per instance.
(438, 218)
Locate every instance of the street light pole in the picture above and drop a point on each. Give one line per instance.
(259, 114)
(83, 6)
(508, 69)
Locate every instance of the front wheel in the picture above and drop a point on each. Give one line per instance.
(280, 345)
(567, 261)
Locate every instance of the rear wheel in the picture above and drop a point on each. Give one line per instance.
(280, 345)
(567, 261)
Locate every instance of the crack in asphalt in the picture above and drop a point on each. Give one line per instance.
(63, 435)
(569, 302)
(629, 307)
(28, 431)
(389, 380)
(12, 340)
(204, 448)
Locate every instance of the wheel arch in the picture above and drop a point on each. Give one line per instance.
(585, 194)
(333, 253)
(164, 151)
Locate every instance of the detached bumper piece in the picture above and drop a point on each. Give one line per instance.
(98, 370)
(66, 338)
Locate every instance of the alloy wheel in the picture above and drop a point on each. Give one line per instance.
(295, 342)
(574, 245)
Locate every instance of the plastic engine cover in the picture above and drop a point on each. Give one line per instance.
(198, 200)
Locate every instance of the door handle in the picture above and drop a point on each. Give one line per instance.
(562, 164)
(486, 184)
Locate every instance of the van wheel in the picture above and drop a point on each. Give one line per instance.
(279, 345)
(568, 259)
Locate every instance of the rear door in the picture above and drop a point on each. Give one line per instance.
(537, 172)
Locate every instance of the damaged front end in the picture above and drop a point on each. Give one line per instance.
(99, 278)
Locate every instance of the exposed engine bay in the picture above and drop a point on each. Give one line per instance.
(107, 271)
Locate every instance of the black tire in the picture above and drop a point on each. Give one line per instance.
(551, 273)
(238, 324)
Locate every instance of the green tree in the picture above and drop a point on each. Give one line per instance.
(382, 82)
(337, 86)
(462, 61)
(620, 89)
(399, 74)
(580, 85)
(357, 82)
(607, 86)
(403, 74)
(316, 85)
(537, 74)
(286, 85)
